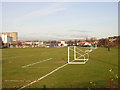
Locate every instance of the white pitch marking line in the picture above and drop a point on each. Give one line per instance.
(36, 63)
(37, 67)
(43, 76)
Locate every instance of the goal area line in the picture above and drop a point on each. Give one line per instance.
(36, 63)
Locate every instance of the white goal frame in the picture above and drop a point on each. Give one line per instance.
(75, 52)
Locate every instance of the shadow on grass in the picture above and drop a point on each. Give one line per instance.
(85, 85)
(94, 84)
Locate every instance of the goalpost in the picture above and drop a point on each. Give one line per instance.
(78, 56)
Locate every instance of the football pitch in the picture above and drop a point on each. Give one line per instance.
(48, 68)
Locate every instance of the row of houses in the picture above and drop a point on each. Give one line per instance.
(10, 40)
(6, 40)
(114, 38)
(63, 43)
(37, 43)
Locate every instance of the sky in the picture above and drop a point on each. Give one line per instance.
(60, 20)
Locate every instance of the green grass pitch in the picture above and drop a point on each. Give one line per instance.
(95, 73)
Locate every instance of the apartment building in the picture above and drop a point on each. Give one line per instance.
(14, 35)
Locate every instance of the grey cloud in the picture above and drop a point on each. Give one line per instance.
(54, 36)
(83, 31)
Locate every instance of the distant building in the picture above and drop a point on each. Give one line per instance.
(37, 42)
(1, 43)
(6, 39)
(14, 35)
(85, 43)
(28, 42)
(62, 44)
(96, 42)
(32, 43)
(111, 39)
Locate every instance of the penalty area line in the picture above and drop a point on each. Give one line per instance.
(43, 77)
(36, 63)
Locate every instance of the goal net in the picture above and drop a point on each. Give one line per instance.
(79, 55)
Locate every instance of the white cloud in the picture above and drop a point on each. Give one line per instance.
(17, 23)
(40, 13)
